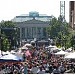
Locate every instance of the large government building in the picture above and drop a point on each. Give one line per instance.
(33, 25)
(72, 14)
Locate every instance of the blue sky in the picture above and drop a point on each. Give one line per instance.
(11, 8)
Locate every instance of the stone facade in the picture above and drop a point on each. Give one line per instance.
(33, 29)
(32, 25)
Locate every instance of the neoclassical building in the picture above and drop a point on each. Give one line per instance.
(33, 25)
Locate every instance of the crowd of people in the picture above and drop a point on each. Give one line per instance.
(41, 61)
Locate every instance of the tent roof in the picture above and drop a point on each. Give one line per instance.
(70, 56)
(10, 57)
(61, 53)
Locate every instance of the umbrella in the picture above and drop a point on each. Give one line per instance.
(10, 57)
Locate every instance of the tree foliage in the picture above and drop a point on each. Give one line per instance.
(60, 32)
(5, 45)
(7, 24)
(9, 35)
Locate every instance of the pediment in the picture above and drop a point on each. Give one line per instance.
(34, 21)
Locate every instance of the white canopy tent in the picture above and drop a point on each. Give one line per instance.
(61, 53)
(7, 52)
(10, 57)
(52, 46)
(4, 53)
(24, 47)
(28, 45)
(69, 49)
(32, 41)
(55, 48)
(13, 52)
(19, 55)
(70, 56)
(0, 53)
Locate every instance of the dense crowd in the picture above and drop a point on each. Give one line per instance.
(41, 61)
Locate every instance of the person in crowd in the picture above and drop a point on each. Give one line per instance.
(24, 57)
(25, 68)
(56, 71)
(50, 68)
(42, 71)
(34, 69)
(61, 68)
(74, 69)
(41, 61)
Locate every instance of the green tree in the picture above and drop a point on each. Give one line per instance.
(11, 32)
(59, 31)
(5, 45)
(7, 24)
(52, 29)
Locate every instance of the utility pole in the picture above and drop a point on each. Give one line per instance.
(62, 17)
(62, 10)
